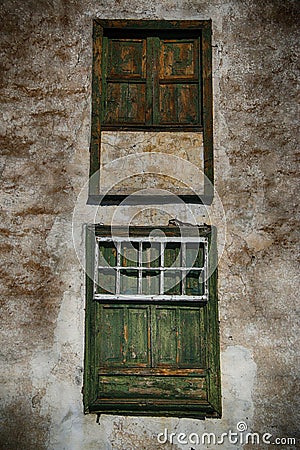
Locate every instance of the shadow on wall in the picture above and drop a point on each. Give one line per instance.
(23, 428)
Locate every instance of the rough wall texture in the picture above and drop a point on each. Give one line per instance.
(45, 97)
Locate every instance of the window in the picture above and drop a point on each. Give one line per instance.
(151, 322)
(151, 77)
(153, 268)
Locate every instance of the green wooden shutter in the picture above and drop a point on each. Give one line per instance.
(146, 357)
(151, 81)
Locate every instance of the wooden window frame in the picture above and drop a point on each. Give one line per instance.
(200, 381)
(203, 29)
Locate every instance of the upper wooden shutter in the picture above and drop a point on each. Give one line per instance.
(151, 81)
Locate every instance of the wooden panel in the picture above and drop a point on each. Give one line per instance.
(125, 103)
(178, 103)
(112, 336)
(152, 387)
(127, 57)
(165, 337)
(190, 351)
(138, 338)
(178, 58)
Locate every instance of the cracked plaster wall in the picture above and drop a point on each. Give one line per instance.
(45, 97)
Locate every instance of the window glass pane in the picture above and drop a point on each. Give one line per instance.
(194, 254)
(130, 254)
(107, 254)
(143, 271)
(150, 282)
(173, 282)
(172, 254)
(194, 285)
(106, 281)
(129, 282)
(151, 254)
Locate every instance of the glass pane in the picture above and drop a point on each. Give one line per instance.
(194, 254)
(129, 282)
(107, 254)
(194, 285)
(172, 254)
(130, 254)
(150, 282)
(106, 281)
(151, 254)
(173, 282)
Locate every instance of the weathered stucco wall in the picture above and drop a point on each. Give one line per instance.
(46, 61)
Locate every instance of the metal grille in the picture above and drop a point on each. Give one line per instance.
(151, 268)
